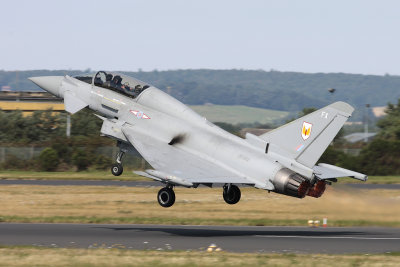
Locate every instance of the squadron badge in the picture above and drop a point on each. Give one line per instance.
(306, 130)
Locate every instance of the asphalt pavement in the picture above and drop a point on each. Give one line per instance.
(182, 237)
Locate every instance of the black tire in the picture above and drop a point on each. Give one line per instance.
(117, 169)
(166, 197)
(233, 195)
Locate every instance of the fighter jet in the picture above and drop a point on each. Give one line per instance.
(185, 149)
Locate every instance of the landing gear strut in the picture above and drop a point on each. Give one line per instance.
(166, 197)
(231, 194)
(116, 168)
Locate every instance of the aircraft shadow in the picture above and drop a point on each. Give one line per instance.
(221, 233)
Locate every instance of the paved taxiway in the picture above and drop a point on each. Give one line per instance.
(154, 183)
(229, 238)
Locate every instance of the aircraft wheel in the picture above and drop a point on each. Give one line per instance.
(231, 196)
(166, 197)
(117, 169)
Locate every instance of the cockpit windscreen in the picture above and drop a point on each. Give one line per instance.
(120, 83)
(87, 78)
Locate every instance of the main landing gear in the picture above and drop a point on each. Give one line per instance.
(116, 168)
(231, 194)
(166, 197)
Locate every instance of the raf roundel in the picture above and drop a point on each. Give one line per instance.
(139, 114)
(306, 130)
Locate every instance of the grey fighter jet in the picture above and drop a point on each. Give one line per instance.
(185, 149)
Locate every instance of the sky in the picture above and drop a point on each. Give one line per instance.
(349, 36)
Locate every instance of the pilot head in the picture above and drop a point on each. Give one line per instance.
(117, 79)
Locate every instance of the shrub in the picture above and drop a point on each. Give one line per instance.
(48, 159)
(102, 162)
(81, 159)
(12, 162)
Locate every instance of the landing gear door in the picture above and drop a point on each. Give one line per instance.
(112, 129)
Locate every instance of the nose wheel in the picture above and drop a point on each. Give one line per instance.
(116, 168)
(166, 197)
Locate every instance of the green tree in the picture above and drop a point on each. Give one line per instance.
(81, 159)
(102, 162)
(48, 159)
(390, 124)
(380, 157)
(233, 129)
(43, 125)
(85, 123)
(63, 146)
(13, 127)
(305, 111)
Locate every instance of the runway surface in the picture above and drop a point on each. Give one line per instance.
(155, 183)
(228, 238)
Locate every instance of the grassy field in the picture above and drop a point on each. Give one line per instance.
(239, 114)
(71, 175)
(28, 256)
(130, 176)
(202, 206)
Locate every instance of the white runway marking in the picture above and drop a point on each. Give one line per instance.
(330, 237)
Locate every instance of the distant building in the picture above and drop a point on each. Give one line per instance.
(349, 123)
(379, 111)
(29, 101)
(6, 88)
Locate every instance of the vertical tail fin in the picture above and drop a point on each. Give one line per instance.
(306, 138)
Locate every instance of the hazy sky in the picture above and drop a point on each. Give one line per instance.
(351, 36)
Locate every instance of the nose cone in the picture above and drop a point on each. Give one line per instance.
(49, 83)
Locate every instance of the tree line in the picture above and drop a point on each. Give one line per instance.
(287, 91)
(47, 129)
(379, 157)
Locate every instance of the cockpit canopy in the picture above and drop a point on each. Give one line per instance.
(117, 82)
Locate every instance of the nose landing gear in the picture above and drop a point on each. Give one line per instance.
(116, 168)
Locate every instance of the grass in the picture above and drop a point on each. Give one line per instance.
(32, 256)
(130, 176)
(201, 206)
(239, 114)
(71, 175)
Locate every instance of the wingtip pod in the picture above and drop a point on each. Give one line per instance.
(343, 107)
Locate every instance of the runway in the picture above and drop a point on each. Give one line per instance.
(154, 183)
(228, 238)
